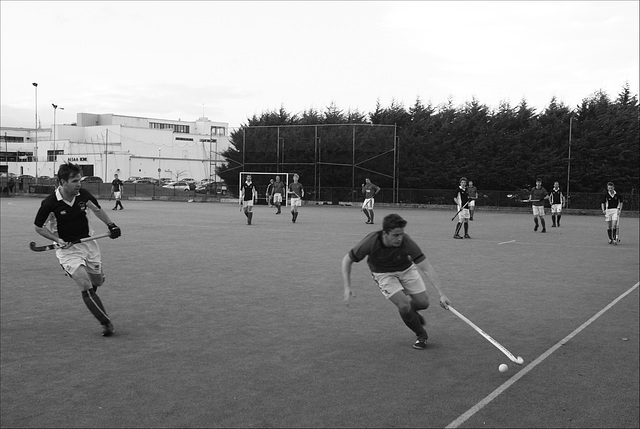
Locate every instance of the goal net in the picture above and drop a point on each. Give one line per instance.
(261, 180)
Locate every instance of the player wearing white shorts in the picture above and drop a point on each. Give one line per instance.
(297, 192)
(462, 202)
(116, 189)
(611, 207)
(537, 196)
(248, 195)
(394, 260)
(473, 196)
(557, 201)
(369, 190)
(62, 218)
(277, 191)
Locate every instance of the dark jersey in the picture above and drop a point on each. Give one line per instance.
(370, 190)
(248, 189)
(278, 187)
(297, 189)
(537, 196)
(383, 259)
(473, 192)
(464, 196)
(555, 197)
(612, 201)
(116, 183)
(72, 221)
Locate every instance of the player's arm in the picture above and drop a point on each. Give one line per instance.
(50, 236)
(347, 262)
(426, 267)
(102, 215)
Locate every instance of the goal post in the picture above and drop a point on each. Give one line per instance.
(261, 181)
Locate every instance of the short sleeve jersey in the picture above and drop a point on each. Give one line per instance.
(472, 191)
(269, 188)
(537, 195)
(296, 188)
(612, 201)
(464, 196)
(370, 190)
(278, 187)
(556, 196)
(383, 259)
(116, 183)
(248, 189)
(72, 221)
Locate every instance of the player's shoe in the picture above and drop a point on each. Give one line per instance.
(467, 236)
(610, 241)
(457, 236)
(535, 228)
(544, 230)
(421, 343)
(107, 330)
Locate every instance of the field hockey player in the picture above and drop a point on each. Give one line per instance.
(611, 207)
(462, 201)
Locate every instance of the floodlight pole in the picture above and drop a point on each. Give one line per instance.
(569, 162)
(36, 146)
(55, 107)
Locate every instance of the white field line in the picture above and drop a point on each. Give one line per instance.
(506, 242)
(464, 417)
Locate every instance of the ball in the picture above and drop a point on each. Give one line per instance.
(503, 368)
(520, 360)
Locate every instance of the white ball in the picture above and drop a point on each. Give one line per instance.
(503, 368)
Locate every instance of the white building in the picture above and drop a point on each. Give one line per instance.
(108, 144)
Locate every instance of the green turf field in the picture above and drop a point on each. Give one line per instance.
(220, 324)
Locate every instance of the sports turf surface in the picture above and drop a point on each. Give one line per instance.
(220, 324)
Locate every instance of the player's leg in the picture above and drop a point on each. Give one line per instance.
(410, 317)
(457, 233)
(365, 210)
(553, 215)
(544, 228)
(91, 299)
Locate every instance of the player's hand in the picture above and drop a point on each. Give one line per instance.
(61, 244)
(444, 302)
(114, 230)
(348, 293)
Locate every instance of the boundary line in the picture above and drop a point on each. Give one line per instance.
(487, 399)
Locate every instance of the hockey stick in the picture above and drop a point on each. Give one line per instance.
(36, 248)
(499, 346)
(618, 230)
(462, 208)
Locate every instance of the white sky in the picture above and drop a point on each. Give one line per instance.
(165, 59)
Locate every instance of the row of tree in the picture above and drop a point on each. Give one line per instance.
(432, 147)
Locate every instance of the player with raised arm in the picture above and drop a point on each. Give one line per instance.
(611, 207)
(62, 218)
(297, 192)
(395, 260)
(462, 202)
(278, 191)
(557, 201)
(370, 191)
(537, 197)
(248, 196)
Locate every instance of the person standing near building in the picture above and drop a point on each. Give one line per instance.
(369, 190)
(62, 218)
(277, 193)
(556, 199)
(11, 184)
(297, 192)
(394, 260)
(537, 197)
(473, 196)
(269, 192)
(116, 190)
(248, 195)
(462, 202)
(611, 207)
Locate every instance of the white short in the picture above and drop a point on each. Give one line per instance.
(87, 254)
(471, 204)
(408, 281)
(296, 202)
(368, 203)
(277, 198)
(611, 214)
(117, 195)
(538, 210)
(556, 208)
(247, 203)
(464, 214)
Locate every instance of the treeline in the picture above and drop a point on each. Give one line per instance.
(499, 149)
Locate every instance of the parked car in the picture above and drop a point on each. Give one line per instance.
(188, 180)
(177, 186)
(212, 188)
(151, 180)
(146, 180)
(91, 179)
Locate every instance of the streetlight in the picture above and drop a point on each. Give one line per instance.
(569, 163)
(36, 146)
(55, 107)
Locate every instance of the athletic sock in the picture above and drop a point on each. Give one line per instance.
(458, 226)
(466, 228)
(542, 222)
(371, 214)
(412, 321)
(609, 233)
(558, 219)
(366, 212)
(613, 233)
(93, 303)
(295, 215)
(535, 220)
(553, 219)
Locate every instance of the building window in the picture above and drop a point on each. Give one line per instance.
(52, 154)
(218, 131)
(187, 139)
(13, 139)
(183, 129)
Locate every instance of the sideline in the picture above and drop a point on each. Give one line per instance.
(464, 417)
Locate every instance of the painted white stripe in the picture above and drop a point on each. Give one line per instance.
(506, 242)
(464, 417)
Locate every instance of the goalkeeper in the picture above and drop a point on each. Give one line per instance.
(62, 218)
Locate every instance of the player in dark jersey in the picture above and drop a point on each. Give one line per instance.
(462, 201)
(62, 218)
(394, 260)
(278, 191)
(297, 192)
(611, 207)
(556, 199)
(369, 190)
(116, 190)
(248, 196)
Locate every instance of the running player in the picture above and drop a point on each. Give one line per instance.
(248, 195)
(611, 207)
(556, 198)
(369, 190)
(537, 196)
(277, 192)
(62, 218)
(462, 202)
(394, 260)
(297, 191)
(473, 196)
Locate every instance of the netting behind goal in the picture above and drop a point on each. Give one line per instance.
(261, 181)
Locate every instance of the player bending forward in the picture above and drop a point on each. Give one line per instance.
(65, 215)
(394, 259)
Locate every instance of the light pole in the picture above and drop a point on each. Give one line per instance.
(569, 163)
(36, 146)
(55, 107)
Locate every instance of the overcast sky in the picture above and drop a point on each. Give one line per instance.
(231, 60)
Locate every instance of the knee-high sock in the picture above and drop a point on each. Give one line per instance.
(609, 234)
(371, 214)
(466, 228)
(412, 321)
(366, 212)
(553, 219)
(535, 220)
(542, 222)
(93, 303)
(559, 216)
(458, 226)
